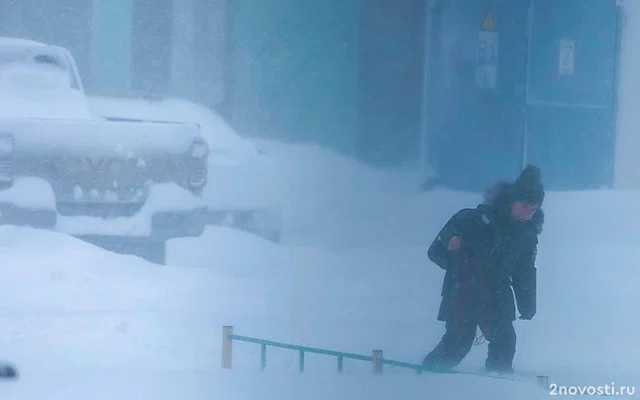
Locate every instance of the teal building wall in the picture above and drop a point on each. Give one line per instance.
(295, 70)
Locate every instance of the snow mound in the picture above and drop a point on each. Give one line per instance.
(316, 167)
(206, 385)
(601, 215)
(335, 201)
(156, 331)
(52, 272)
(224, 249)
(29, 192)
(98, 312)
(323, 190)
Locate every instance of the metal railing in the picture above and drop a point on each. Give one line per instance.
(376, 358)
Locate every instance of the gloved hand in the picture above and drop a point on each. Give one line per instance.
(454, 243)
(527, 316)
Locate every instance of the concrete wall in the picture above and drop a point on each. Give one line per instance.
(66, 23)
(295, 66)
(627, 174)
(111, 42)
(391, 69)
(198, 51)
(174, 47)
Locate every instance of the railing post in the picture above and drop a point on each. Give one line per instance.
(377, 361)
(263, 356)
(301, 360)
(543, 381)
(227, 346)
(340, 364)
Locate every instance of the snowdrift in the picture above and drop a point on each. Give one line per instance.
(351, 286)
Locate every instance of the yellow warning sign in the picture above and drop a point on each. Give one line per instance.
(489, 23)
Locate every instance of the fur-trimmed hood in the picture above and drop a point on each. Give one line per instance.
(498, 193)
(499, 198)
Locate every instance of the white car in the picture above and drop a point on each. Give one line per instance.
(243, 190)
(128, 186)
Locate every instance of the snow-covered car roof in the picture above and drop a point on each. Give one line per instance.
(39, 80)
(25, 50)
(31, 46)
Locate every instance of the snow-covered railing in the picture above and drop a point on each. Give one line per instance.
(376, 358)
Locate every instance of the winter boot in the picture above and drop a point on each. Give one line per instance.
(435, 362)
(492, 366)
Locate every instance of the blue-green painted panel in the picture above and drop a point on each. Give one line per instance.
(295, 69)
(111, 43)
(572, 90)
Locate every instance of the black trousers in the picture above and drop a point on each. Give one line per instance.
(459, 337)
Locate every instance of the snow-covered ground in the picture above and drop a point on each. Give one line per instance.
(82, 323)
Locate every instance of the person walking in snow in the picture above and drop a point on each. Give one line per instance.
(486, 251)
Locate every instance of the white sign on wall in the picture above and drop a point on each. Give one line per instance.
(566, 58)
(487, 62)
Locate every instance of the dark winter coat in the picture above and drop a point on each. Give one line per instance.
(496, 255)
